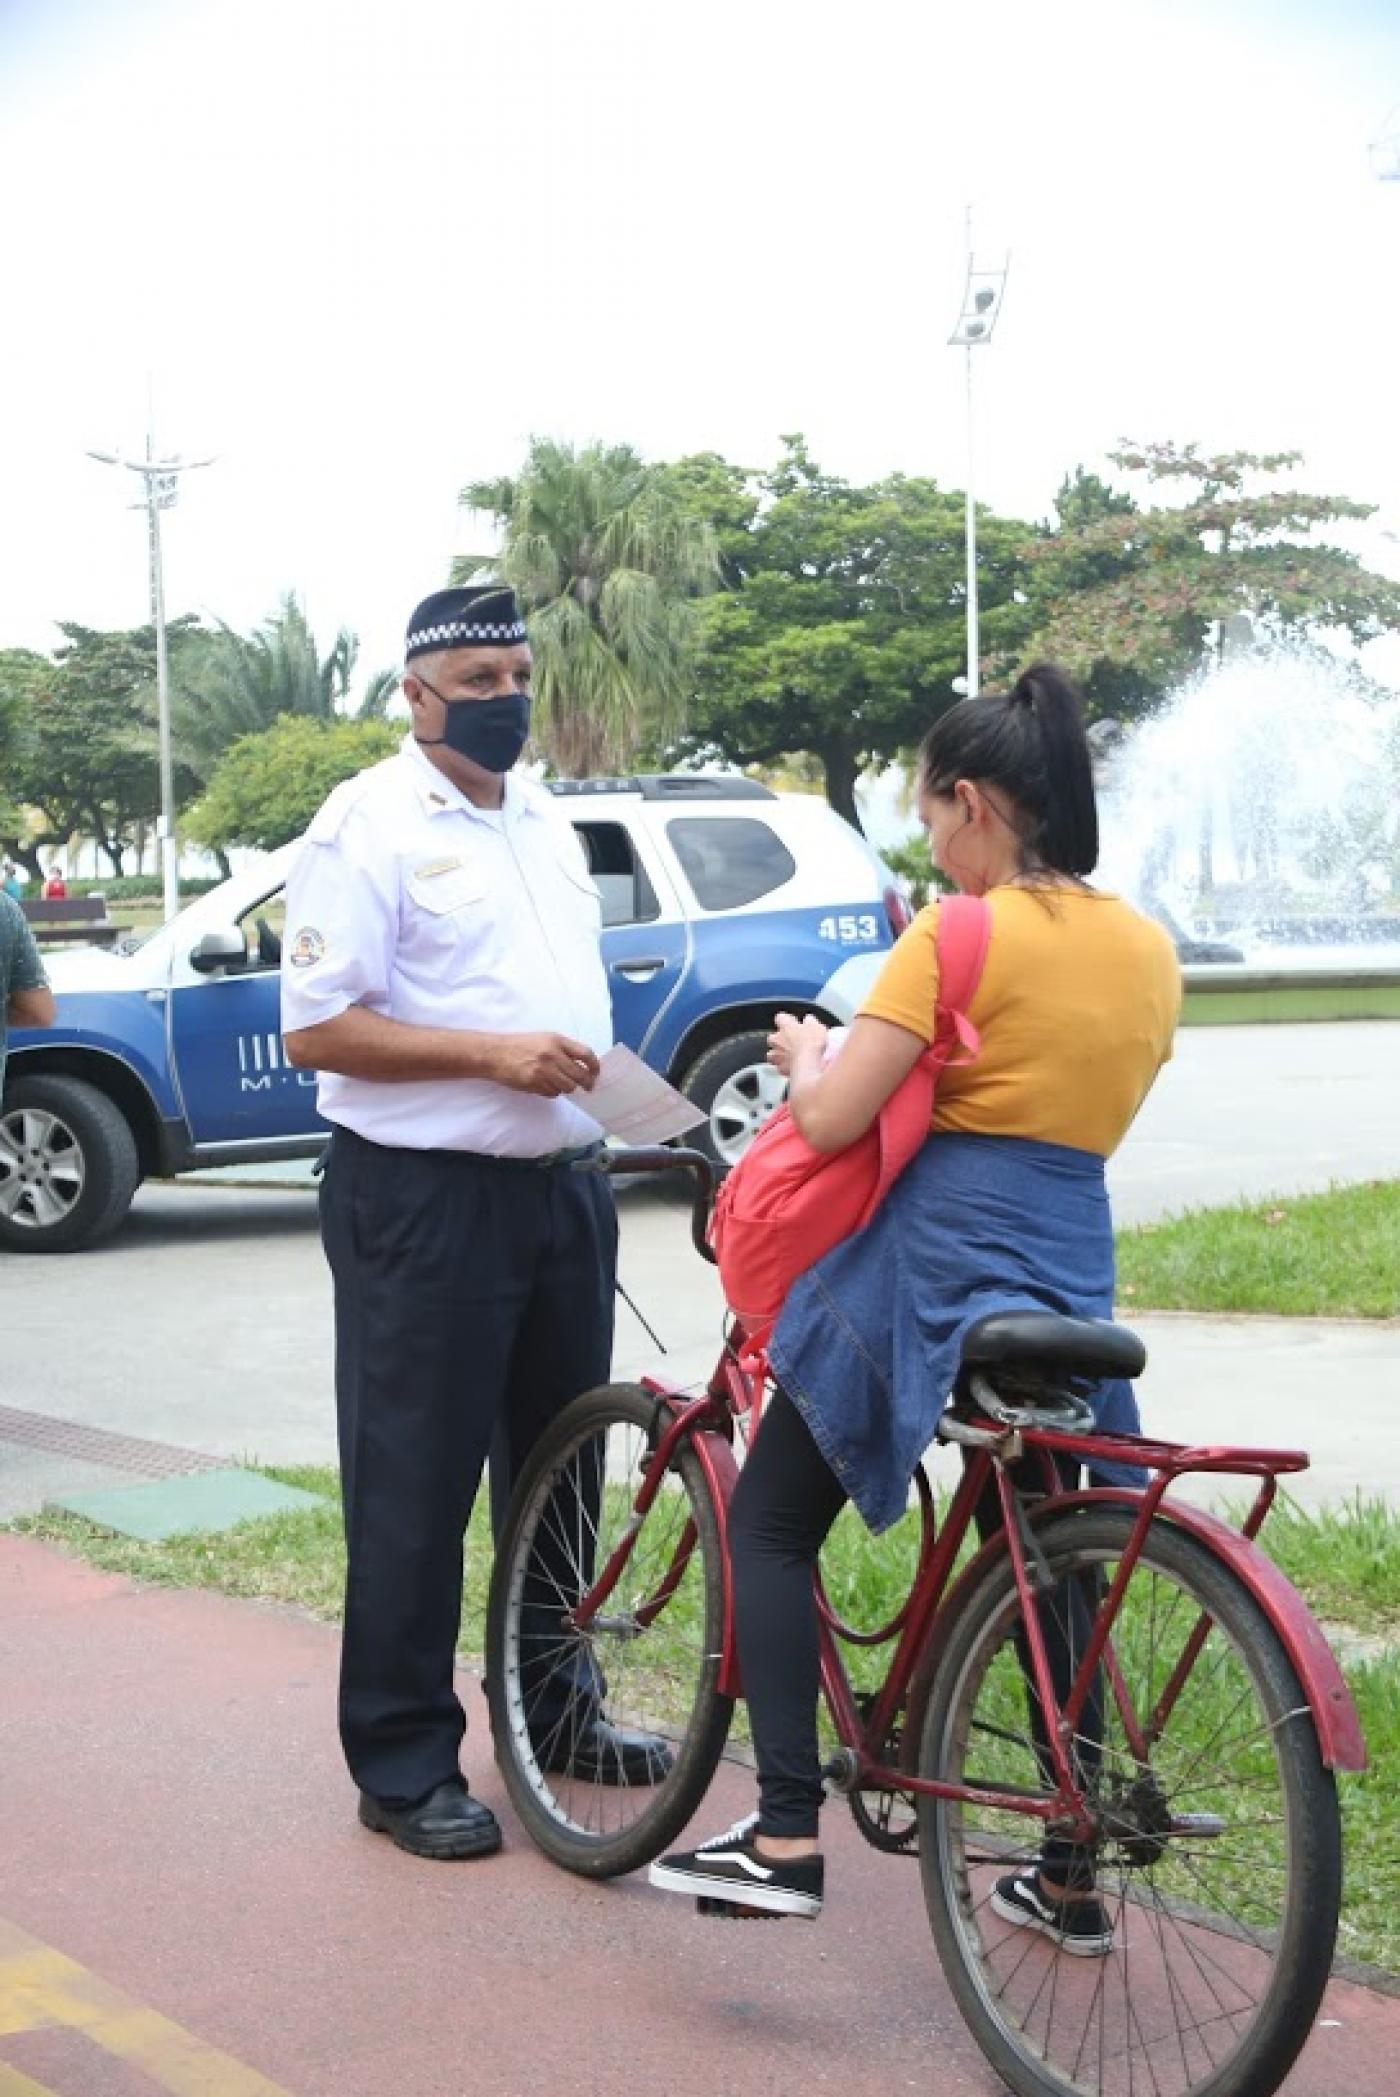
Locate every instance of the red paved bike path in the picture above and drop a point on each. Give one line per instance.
(175, 1823)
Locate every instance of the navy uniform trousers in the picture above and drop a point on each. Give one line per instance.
(473, 1301)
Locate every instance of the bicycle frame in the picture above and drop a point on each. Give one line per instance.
(735, 1391)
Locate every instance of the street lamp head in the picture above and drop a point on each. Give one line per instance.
(981, 306)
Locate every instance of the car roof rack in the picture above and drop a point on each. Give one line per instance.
(670, 786)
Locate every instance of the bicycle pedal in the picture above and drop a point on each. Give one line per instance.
(733, 1911)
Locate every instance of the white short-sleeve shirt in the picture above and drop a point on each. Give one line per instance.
(410, 901)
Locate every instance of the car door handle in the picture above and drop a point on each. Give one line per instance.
(640, 966)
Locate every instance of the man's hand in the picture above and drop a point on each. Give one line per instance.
(546, 1064)
(363, 1044)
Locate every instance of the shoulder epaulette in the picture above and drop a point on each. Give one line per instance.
(329, 820)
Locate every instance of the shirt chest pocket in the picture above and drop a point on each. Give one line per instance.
(440, 890)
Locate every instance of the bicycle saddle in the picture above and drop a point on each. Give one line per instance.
(1043, 1341)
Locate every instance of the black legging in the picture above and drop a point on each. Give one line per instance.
(783, 1508)
(784, 1504)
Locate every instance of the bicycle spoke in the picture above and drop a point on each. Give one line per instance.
(1206, 1967)
(1178, 1999)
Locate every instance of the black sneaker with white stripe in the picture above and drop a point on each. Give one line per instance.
(728, 1877)
(1079, 1924)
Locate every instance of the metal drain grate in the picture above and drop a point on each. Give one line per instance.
(94, 1445)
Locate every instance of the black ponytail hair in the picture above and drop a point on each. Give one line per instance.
(1028, 744)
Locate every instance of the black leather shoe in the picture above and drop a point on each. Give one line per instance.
(448, 1823)
(602, 1753)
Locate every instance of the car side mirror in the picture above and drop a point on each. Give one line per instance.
(221, 947)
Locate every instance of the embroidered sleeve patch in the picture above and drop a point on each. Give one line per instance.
(307, 947)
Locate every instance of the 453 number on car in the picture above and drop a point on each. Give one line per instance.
(852, 930)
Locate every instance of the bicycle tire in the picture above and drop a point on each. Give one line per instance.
(592, 1828)
(1222, 1934)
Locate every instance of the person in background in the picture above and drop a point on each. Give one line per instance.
(55, 888)
(1004, 1208)
(25, 997)
(443, 975)
(11, 880)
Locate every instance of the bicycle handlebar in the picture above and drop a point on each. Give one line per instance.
(661, 1158)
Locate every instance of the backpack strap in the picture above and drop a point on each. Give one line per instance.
(964, 930)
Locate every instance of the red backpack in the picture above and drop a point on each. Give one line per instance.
(785, 1205)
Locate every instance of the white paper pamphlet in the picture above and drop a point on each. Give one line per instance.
(630, 1101)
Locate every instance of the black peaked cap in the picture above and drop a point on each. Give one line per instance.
(480, 615)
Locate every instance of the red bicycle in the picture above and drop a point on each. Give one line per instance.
(1111, 1669)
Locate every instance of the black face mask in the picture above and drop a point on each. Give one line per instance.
(488, 732)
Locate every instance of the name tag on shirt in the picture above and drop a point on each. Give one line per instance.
(446, 884)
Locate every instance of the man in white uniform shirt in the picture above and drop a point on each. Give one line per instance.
(442, 975)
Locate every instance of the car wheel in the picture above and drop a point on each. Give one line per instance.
(738, 1088)
(68, 1165)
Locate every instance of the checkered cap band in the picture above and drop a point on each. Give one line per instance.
(464, 633)
(466, 615)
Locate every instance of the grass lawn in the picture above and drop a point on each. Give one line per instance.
(1333, 1255)
(1210, 1006)
(1346, 1561)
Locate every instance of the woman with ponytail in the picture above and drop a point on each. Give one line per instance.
(1004, 1208)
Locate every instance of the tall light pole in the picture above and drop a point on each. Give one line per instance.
(982, 299)
(162, 486)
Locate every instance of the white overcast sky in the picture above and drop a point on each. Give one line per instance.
(367, 249)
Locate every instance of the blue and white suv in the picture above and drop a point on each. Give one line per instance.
(722, 901)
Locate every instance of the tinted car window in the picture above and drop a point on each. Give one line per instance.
(263, 928)
(729, 860)
(628, 897)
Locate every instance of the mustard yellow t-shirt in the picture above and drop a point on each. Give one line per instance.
(1077, 1005)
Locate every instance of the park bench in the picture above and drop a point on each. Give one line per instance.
(63, 920)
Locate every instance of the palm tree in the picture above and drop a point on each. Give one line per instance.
(231, 684)
(607, 562)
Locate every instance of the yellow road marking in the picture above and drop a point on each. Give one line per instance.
(15, 2084)
(41, 1988)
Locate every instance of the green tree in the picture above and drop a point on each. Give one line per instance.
(843, 623)
(266, 787)
(1088, 557)
(233, 684)
(22, 675)
(1128, 595)
(89, 762)
(608, 562)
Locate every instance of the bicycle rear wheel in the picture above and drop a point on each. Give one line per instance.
(1217, 1855)
(650, 1657)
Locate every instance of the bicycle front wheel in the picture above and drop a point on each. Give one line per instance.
(1216, 1858)
(648, 1660)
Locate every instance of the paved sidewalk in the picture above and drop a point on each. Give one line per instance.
(1324, 1385)
(213, 1310)
(205, 1322)
(189, 1906)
